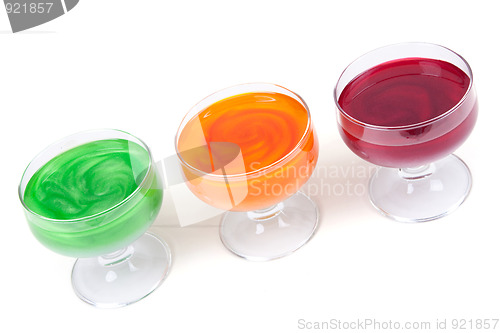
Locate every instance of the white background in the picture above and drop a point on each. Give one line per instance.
(140, 65)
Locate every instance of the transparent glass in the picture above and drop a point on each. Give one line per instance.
(119, 263)
(267, 217)
(420, 180)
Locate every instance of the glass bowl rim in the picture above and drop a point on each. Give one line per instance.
(409, 126)
(104, 212)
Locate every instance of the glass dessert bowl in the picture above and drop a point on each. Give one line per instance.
(93, 195)
(248, 149)
(407, 107)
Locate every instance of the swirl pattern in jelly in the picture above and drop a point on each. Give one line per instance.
(265, 126)
(264, 139)
(87, 179)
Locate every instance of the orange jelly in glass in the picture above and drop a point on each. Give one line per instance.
(247, 151)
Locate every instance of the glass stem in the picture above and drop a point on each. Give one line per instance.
(417, 173)
(266, 213)
(116, 257)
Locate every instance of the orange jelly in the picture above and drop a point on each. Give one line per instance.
(248, 151)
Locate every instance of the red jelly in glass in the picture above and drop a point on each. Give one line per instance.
(407, 112)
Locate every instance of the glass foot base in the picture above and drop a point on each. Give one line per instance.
(425, 198)
(272, 233)
(125, 277)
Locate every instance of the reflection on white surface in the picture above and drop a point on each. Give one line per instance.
(436, 185)
(410, 188)
(282, 223)
(111, 276)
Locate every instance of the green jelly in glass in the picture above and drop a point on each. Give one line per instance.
(93, 199)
